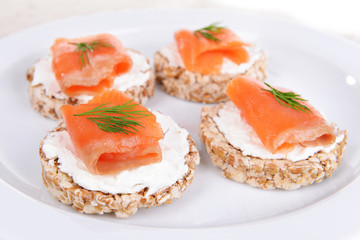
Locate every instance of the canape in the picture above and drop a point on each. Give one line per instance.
(200, 63)
(77, 69)
(270, 137)
(114, 155)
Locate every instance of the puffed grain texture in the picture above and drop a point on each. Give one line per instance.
(49, 106)
(65, 190)
(265, 173)
(197, 87)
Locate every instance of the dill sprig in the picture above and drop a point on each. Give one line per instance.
(116, 119)
(207, 32)
(83, 48)
(288, 99)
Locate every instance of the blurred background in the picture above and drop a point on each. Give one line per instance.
(334, 16)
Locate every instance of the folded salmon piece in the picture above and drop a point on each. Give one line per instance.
(107, 153)
(88, 65)
(205, 56)
(279, 127)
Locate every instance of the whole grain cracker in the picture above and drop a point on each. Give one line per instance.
(49, 106)
(65, 190)
(264, 173)
(197, 87)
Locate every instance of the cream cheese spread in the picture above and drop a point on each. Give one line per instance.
(172, 54)
(137, 76)
(242, 136)
(174, 148)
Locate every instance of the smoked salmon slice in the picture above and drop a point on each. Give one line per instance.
(279, 127)
(107, 153)
(88, 65)
(200, 54)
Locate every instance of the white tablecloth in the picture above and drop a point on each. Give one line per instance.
(327, 15)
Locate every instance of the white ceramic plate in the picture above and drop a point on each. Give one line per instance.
(323, 68)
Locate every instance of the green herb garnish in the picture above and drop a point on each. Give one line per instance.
(83, 48)
(116, 119)
(288, 99)
(207, 32)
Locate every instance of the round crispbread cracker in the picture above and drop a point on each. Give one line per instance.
(265, 173)
(49, 106)
(64, 189)
(179, 82)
